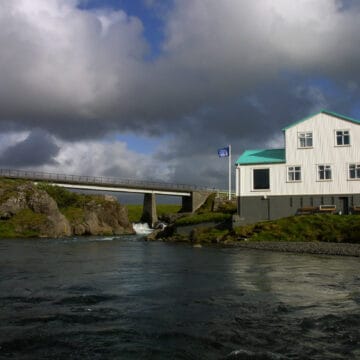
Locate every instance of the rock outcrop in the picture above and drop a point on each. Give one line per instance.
(103, 217)
(27, 210)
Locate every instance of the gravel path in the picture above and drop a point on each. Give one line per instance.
(304, 247)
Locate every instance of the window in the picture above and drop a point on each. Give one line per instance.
(342, 137)
(261, 179)
(305, 139)
(294, 173)
(354, 171)
(324, 172)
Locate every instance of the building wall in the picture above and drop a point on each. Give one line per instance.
(324, 151)
(252, 209)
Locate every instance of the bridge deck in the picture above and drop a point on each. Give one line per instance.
(97, 182)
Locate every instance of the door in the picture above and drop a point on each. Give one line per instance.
(344, 205)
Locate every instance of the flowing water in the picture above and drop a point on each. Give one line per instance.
(124, 298)
(142, 228)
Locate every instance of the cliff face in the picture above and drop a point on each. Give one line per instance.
(27, 210)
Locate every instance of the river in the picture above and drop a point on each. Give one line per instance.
(124, 298)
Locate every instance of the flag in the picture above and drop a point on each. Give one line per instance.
(224, 152)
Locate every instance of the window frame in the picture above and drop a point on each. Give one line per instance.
(304, 135)
(357, 167)
(294, 172)
(342, 137)
(330, 167)
(253, 179)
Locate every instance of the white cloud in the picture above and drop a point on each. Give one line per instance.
(99, 158)
(66, 63)
(81, 73)
(62, 60)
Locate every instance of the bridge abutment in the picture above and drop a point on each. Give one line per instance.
(189, 204)
(193, 202)
(149, 214)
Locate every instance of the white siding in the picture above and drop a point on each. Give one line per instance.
(324, 151)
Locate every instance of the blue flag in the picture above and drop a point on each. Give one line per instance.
(224, 152)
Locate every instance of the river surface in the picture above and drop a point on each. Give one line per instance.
(124, 298)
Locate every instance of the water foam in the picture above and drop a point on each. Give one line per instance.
(142, 228)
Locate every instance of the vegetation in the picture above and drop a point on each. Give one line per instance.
(135, 211)
(318, 227)
(24, 224)
(206, 213)
(208, 205)
(64, 198)
(7, 187)
(228, 207)
(304, 228)
(28, 210)
(203, 218)
(70, 204)
(209, 235)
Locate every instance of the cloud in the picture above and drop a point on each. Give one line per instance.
(105, 158)
(38, 148)
(63, 62)
(228, 72)
(81, 66)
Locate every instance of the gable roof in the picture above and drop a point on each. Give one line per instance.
(261, 156)
(343, 117)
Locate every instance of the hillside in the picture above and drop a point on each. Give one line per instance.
(29, 210)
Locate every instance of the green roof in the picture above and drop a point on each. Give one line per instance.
(267, 156)
(324, 112)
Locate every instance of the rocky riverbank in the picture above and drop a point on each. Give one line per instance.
(314, 234)
(322, 248)
(29, 210)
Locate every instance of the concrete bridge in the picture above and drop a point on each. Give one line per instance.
(192, 196)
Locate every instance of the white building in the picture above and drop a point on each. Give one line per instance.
(318, 170)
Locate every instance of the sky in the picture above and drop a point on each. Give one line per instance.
(150, 89)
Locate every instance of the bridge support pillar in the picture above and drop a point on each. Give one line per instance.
(149, 214)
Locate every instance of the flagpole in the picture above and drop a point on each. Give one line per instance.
(229, 172)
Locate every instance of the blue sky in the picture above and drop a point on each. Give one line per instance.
(109, 96)
(151, 16)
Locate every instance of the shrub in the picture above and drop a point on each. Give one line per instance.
(63, 197)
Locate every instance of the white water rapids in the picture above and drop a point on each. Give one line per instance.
(142, 228)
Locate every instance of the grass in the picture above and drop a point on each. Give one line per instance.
(135, 211)
(318, 227)
(63, 197)
(203, 218)
(74, 214)
(305, 228)
(8, 188)
(24, 224)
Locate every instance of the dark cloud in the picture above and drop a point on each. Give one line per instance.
(235, 72)
(69, 70)
(37, 149)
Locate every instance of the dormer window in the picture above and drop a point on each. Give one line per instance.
(305, 139)
(342, 137)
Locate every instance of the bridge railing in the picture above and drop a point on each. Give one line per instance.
(101, 180)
